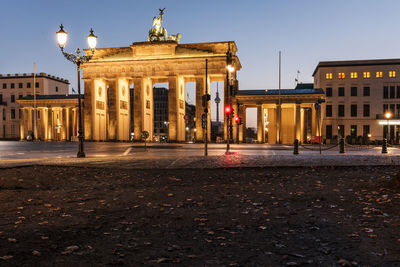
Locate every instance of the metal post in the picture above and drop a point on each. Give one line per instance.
(279, 101)
(319, 130)
(341, 145)
(388, 131)
(296, 147)
(206, 112)
(231, 115)
(80, 154)
(384, 146)
(237, 132)
(34, 104)
(228, 98)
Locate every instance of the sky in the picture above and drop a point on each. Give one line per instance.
(306, 31)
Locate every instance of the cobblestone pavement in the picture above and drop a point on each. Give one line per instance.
(135, 156)
(290, 216)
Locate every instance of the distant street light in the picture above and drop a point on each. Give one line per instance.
(388, 115)
(77, 59)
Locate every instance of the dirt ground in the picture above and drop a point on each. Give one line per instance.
(69, 216)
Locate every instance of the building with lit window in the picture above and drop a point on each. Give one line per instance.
(18, 86)
(358, 94)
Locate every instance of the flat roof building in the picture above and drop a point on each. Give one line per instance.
(358, 93)
(17, 86)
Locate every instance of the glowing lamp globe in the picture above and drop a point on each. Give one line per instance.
(62, 37)
(92, 40)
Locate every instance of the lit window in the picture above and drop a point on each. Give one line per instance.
(367, 75)
(329, 76)
(341, 75)
(353, 75)
(392, 74)
(379, 74)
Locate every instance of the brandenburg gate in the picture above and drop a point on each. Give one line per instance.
(162, 59)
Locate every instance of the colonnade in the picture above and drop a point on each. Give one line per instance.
(52, 123)
(298, 121)
(107, 106)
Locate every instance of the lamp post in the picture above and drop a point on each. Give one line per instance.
(78, 60)
(388, 115)
(229, 69)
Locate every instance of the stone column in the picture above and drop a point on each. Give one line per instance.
(200, 90)
(176, 108)
(138, 108)
(143, 107)
(29, 119)
(234, 124)
(242, 126)
(76, 125)
(112, 110)
(88, 109)
(172, 108)
(63, 123)
(313, 121)
(272, 126)
(305, 123)
(260, 124)
(279, 123)
(22, 124)
(50, 124)
(69, 122)
(298, 123)
(45, 124)
(122, 110)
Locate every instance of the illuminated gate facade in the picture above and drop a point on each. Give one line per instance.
(111, 72)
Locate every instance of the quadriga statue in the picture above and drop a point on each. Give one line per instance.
(158, 33)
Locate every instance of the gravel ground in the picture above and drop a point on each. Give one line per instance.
(80, 216)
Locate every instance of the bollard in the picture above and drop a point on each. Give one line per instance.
(341, 145)
(384, 146)
(296, 147)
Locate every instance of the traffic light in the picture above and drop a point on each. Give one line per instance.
(237, 120)
(228, 109)
(204, 121)
(204, 100)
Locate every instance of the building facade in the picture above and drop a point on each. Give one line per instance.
(57, 117)
(142, 65)
(282, 115)
(17, 86)
(358, 93)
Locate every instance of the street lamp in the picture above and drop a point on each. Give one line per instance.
(388, 115)
(229, 70)
(77, 59)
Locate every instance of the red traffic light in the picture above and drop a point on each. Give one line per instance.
(228, 109)
(237, 119)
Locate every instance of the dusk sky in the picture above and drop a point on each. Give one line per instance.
(306, 32)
